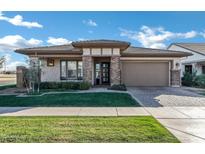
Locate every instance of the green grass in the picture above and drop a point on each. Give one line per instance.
(83, 130)
(71, 99)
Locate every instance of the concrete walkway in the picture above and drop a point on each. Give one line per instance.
(186, 123)
(73, 111)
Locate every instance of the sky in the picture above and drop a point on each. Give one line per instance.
(143, 29)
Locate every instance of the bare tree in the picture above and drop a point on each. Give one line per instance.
(2, 62)
(33, 75)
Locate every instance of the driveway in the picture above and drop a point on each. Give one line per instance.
(166, 96)
(180, 110)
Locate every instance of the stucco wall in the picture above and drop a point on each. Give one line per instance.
(190, 59)
(50, 73)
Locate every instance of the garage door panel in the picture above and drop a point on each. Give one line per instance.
(145, 73)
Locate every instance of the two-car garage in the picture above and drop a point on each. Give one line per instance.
(139, 73)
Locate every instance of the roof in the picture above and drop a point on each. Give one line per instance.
(76, 48)
(195, 47)
(142, 52)
(101, 43)
(60, 49)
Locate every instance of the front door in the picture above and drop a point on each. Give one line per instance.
(105, 72)
(102, 73)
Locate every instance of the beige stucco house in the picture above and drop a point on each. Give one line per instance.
(108, 62)
(193, 63)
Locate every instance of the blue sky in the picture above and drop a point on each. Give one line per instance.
(145, 29)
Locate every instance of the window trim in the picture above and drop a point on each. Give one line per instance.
(53, 62)
(66, 63)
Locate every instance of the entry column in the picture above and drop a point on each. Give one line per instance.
(115, 74)
(87, 68)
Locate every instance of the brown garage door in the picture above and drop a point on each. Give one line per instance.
(145, 73)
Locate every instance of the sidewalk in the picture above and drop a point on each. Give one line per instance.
(73, 111)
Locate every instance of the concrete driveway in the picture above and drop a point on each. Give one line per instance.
(180, 110)
(166, 96)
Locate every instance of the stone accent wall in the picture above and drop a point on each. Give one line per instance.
(87, 68)
(175, 78)
(115, 74)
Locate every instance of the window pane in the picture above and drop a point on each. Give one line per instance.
(63, 69)
(203, 69)
(188, 69)
(72, 70)
(80, 70)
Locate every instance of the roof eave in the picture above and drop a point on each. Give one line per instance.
(156, 55)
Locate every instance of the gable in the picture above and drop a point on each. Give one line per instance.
(195, 57)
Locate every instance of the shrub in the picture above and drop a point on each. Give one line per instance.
(120, 87)
(189, 79)
(200, 81)
(7, 86)
(65, 85)
(84, 85)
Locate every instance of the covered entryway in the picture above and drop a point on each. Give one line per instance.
(137, 73)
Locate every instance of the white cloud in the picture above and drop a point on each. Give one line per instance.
(58, 41)
(82, 39)
(155, 37)
(202, 34)
(187, 35)
(11, 64)
(90, 22)
(18, 21)
(12, 42)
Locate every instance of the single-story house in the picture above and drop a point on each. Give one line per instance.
(108, 62)
(196, 62)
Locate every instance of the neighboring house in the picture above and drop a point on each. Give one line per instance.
(196, 62)
(108, 62)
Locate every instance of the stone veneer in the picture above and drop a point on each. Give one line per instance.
(87, 68)
(115, 74)
(175, 78)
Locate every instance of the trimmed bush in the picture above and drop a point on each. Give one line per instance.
(120, 87)
(189, 79)
(7, 86)
(84, 86)
(65, 85)
(200, 81)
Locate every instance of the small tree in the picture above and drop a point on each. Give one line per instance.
(2, 62)
(33, 75)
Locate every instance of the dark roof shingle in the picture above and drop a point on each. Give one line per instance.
(141, 52)
(67, 48)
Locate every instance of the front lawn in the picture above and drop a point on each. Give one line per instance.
(83, 129)
(71, 99)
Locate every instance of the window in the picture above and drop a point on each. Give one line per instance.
(203, 69)
(71, 70)
(63, 69)
(80, 70)
(188, 69)
(50, 62)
